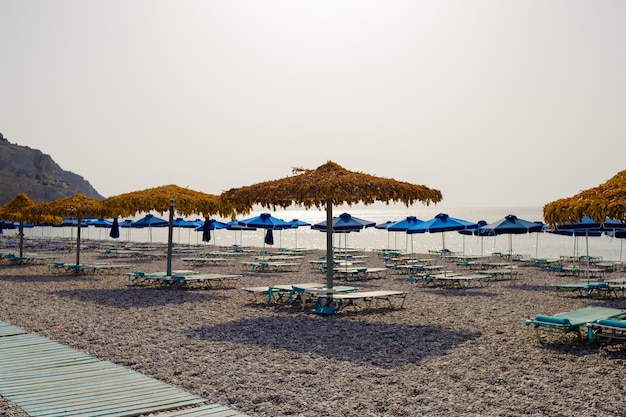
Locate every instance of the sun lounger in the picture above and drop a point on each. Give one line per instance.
(368, 298)
(208, 261)
(572, 321)
(263, 291)
(587, 289)
(140, 277)
(361, 272)
(608, 330)
(200, 281)
(309, 293)
(275, 266)
(95, 268)
(277, 293)
(462, 281)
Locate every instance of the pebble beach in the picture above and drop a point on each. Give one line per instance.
(447, 352)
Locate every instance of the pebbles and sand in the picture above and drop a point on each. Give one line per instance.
(452, 352)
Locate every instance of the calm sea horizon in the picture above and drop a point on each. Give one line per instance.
(541, 245)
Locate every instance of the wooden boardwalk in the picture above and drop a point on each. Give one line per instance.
(48, 379)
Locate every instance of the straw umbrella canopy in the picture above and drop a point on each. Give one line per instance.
(167, 198)
(77, 206)
(608, 200)
(17, 210)
(326, 185)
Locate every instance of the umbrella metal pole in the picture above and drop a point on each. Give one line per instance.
(78, 243)
(329, 248)
(21, 233)
(170, 232)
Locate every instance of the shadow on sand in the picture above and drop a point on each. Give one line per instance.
(337, 337)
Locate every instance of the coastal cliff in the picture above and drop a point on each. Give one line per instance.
(29, 171)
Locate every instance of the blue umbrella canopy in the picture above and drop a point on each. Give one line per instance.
(99, 223)
(345, 223)
(213, 224)
(149, 221)
(475, 231)
(265, 221)
(6, 224)
(384, 226)
(510, 225)
(207, 225)
(577, 232)
(126, 223)
(401, 226)
(404, 224)
(295, 223)
(439, 224)
(588, 223)
(180, 222)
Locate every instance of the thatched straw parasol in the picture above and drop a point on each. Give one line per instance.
(608, 200)
(170, 198)
(327, 185)
(77, 206)
(16, 210)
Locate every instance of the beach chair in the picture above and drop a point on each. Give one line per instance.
(368, 298)
(575, 321)
(586, 289)
(607, 331)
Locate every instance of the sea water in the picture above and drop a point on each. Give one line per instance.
(536, 245)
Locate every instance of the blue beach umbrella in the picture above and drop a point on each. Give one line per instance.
(115, 229)
(266, 221)
(474, 232)
(127, 224)
(295, 224)
(402, 226)
(576, 233)
(587, 224)
(181, 223)
(441, 223)
(620, 234)
(149, 221)
(100, 224)
(269, 237)
(510, 225)
(208, 225)
(384, 226)
(345, 223)
(237, 226)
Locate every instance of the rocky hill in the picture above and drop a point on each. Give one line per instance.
(29, 171)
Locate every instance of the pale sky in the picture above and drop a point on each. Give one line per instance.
(495, 103)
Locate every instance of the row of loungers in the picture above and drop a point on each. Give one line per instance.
(183, 279)
(610, 288)
(599, 324)
(96, 268)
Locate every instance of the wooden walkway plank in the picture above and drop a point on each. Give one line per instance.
(47, 379)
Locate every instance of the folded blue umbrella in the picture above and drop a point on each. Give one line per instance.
(115, 229)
